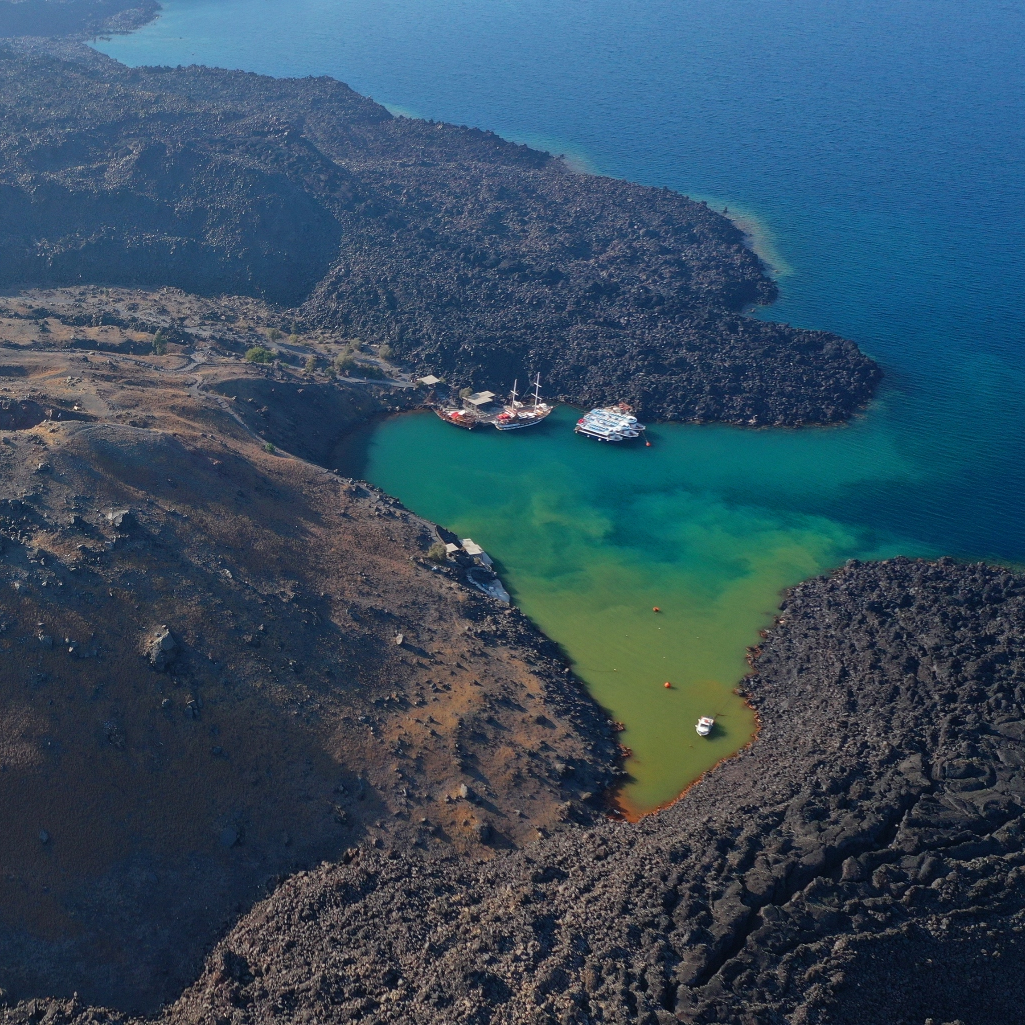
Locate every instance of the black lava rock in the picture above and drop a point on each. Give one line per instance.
(470, 256)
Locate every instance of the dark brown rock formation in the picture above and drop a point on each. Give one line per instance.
(861, 862)
(177, 770)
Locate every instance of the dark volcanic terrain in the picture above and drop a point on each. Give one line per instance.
(76, 18)
(207, 716)
(860, 864)
(469, 256)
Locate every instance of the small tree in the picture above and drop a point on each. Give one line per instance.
(310, 365)
(384, 351)
(259, 354)
(344, 363)
(159, 344)
(465, 393)
(437, 553)
(274, 335)
(269, 447)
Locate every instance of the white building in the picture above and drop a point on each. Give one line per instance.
(476, 553)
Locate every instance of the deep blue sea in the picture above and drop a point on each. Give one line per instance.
(877, 150)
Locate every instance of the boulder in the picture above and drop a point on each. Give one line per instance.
(162, 648)
(122, 519)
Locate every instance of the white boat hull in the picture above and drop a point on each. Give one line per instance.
(599, 437)
(520, 421)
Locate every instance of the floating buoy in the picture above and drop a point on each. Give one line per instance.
(667, 685)
(655, 608)
(647, 444)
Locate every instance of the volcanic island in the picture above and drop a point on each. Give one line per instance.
(266, 757)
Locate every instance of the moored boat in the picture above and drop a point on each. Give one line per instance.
(704, 726)
(460, 417)
(516, 414)
(611, 423)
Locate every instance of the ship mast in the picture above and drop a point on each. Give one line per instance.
(512, 400)
(537, 390)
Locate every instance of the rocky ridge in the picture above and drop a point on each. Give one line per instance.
(220, 663)
(467, 255)
(861, 862)
(75, 18)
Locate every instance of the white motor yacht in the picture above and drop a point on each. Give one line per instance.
(613, 423)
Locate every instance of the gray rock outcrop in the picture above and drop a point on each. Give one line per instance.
(463, 252)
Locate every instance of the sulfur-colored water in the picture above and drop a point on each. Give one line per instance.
(877, 150)
(591, 537)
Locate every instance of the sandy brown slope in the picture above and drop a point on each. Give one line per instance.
(861, 863)
(143, 807)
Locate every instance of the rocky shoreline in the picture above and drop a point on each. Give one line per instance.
(221, 663)
(468, 256)
(78, 19)
(861, 862)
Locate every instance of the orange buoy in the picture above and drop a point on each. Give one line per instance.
(667, 685)
(655, 608)
(647, 444)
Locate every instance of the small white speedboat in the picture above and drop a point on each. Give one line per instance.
(704, 726)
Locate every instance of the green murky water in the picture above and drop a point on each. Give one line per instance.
(590, 537)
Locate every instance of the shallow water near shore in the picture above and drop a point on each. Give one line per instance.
(878, 146)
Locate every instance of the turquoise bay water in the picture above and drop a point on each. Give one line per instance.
(877, 146)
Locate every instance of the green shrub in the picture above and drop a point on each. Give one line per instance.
(274, 334)
(465, 393)
(310, 365)
(269, 447)
(159, 344)
(344, 363)
(258, 354)
(437, 553)
(384, 351)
